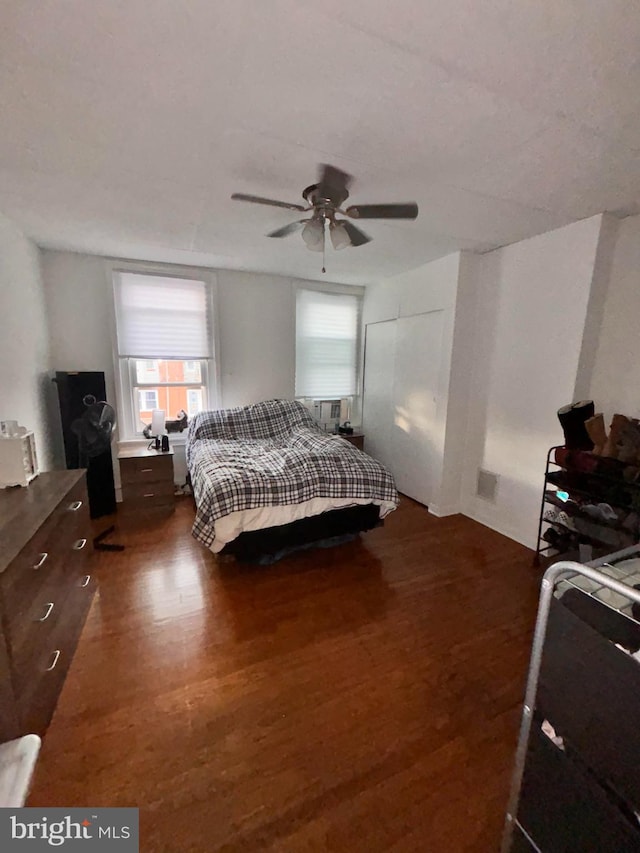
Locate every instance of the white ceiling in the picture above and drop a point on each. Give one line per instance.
(127, 124)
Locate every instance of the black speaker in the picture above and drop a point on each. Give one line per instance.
(73, 388)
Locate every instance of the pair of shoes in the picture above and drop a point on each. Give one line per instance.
(559, 516)
(601, 512)
(561, 542)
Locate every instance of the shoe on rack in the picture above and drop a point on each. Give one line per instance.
(601, 512)
(572, 418)
(607, 512)
(597, 433)
(566, 521)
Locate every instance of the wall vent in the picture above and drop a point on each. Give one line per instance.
(487, 485)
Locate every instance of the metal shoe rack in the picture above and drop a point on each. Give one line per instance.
(584, 486)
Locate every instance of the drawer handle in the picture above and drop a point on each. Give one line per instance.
(43, 557)
(79, 544)
(48, 613)
(85, 582)
(56, 655)
(146, 470)
(148, 495)
(75, 506)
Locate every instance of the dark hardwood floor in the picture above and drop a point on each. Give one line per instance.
(362, 698)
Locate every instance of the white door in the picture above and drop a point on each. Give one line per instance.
(377, 408)
(417, 434)
(401, 373)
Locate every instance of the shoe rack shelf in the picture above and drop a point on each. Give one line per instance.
(558, 536)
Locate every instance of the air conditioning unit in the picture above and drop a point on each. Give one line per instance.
(326, 412)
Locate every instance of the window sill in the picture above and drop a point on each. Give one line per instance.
(176, 439)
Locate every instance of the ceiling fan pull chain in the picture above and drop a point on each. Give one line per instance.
(324, 245)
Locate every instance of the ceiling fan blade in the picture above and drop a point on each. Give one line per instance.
(409, 210)
(256, 199)
(357, 237)
(288, 229)
(334, 184)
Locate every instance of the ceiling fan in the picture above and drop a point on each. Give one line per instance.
(324, 200)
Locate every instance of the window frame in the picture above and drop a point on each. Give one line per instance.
(124, 367)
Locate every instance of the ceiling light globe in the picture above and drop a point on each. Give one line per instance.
(339, 237)
(313, 235)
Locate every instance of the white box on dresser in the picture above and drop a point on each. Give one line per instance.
(18, 460)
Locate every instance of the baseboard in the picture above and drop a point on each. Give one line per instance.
(443, 511)
(492, 525)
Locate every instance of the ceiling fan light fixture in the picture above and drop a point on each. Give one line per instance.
(313, 235)
(339, 237)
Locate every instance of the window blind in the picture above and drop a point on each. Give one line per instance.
(326, 344)
(160, 317)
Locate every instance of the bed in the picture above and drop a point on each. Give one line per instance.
(267, 480)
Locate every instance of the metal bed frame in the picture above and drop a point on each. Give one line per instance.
(563, 572)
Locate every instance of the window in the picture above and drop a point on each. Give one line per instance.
(192, 371)
(194, 401)
(327, 344)
(148, 400)
(164, 346)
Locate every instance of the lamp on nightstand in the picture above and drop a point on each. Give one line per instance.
(158, 419)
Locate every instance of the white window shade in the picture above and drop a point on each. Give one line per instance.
(326, 344)
(161, 317)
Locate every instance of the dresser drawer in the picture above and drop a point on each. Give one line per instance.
(146, 469)
(149, 494)
(39, 570)
(38, 685)
(30, 627)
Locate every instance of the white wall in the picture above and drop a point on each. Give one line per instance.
(79, 309)
(257, 337)
(24, 346)
(256, 326)
(615, 385)
(532, 300)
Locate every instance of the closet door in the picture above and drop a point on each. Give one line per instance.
(417, 434)
(401, 375)
(377, 411)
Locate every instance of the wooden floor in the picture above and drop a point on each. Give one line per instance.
(362, 698)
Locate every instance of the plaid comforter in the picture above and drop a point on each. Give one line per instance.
(272, 454)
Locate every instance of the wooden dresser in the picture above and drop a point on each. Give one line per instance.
(45, 592)
(356, 438)
(148, 490)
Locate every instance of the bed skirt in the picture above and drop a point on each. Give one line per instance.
(272, 543)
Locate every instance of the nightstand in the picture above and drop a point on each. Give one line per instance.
(147, 482)
(356, 438)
